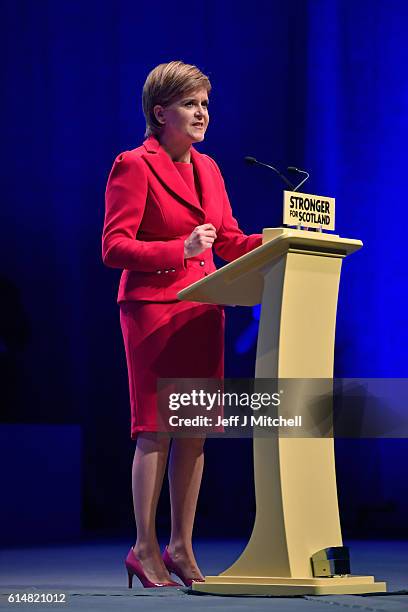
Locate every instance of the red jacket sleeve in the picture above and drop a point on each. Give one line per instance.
(231, 241)
(126, 194)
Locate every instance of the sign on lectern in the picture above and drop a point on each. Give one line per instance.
(308, 210)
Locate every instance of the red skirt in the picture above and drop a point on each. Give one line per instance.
(168, 340)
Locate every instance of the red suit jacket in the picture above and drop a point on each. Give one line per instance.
(150, 211)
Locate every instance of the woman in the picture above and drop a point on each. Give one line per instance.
(166, 208)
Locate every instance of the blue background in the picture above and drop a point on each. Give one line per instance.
(320, 84)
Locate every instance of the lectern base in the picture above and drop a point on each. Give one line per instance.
(264, 585)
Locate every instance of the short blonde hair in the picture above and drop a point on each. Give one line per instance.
(167, 83)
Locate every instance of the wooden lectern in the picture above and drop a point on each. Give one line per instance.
(295, 275)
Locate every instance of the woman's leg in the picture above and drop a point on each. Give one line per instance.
(185, 472)
(148, 469)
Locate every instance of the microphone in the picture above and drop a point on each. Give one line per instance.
(252, 162)
(294, 169)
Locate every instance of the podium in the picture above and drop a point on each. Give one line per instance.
(295, 275)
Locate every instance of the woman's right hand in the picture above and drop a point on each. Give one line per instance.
(201, 238)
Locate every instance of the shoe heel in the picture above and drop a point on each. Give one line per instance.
(135, 568)
(130, 580)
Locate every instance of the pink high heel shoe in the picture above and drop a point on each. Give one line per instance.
(134, 568)
(174, 568)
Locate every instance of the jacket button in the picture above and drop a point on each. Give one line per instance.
(202, 263)
(158, 271)
(166, 271)
(173, 270)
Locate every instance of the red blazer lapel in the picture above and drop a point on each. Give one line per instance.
(205, 178)
(162, 165)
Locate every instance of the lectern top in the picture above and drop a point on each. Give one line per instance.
(240, 282)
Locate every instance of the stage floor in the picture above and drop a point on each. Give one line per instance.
(93, 577)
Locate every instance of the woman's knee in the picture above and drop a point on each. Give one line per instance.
(152, 442)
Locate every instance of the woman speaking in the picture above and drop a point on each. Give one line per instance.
(166, 209)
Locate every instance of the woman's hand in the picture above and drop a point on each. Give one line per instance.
(201, 238)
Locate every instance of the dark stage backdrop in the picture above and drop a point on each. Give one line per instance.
(320, 84)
